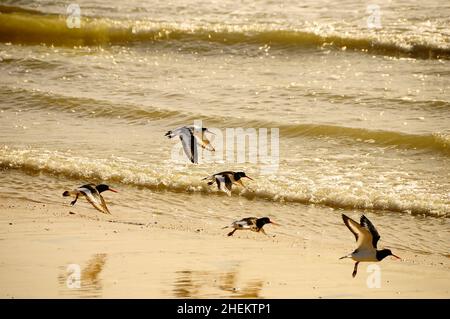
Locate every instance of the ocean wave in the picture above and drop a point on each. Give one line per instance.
(31, 27)
(166, 178)
(79, 106)
(88, 107)
(438, 141)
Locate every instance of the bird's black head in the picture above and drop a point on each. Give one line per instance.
(260, 222)
(104, 187)
(239, 175)
(381, 254)
(205, 129)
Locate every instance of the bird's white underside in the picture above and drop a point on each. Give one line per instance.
(94, 199)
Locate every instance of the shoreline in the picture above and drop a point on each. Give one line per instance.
(179, 259)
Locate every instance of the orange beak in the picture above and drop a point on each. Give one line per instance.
(276, 224)
(249, 178)
(396, 256)
(113, 190)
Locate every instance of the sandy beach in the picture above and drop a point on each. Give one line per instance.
(166, 258)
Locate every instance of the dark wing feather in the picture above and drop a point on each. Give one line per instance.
(245, 223)
(189, 145)
(228, 182)
(347, 220)
(105, 208)
(90, 187)
(223, 185)
(365, 222)
(194, 149)
(225, 173)
(250, 220)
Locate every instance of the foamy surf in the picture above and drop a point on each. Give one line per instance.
(356, 196)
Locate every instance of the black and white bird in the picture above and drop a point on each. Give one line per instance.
(190, 136)
(225, 180)
(366, 240)
(250, 223)
(92, 194)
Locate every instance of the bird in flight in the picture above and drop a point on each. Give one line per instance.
(366, 241)
(225, 180)
(190, 137)
(92, 194)
(250, 223)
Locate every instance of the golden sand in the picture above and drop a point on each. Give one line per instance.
(166, 258)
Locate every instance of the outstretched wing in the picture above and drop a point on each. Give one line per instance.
(173, 133)
(246, 223)
(95, 199)
(228, 182)
(189, 144)
(105, 208)
(224, 184)
(204, 142)
(365, 222)
(350, 225)
(211, 177)
(90, 187)
(362, 235)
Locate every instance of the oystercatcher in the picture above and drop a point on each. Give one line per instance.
(250, 223)
(92, 194)
(190, 136)
(225, 180)
(366, 239)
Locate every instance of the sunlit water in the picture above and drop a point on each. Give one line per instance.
(363, 114)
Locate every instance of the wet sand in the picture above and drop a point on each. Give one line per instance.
(165, 258)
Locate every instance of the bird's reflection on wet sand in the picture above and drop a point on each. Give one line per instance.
(90, 281)
(204, 284)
